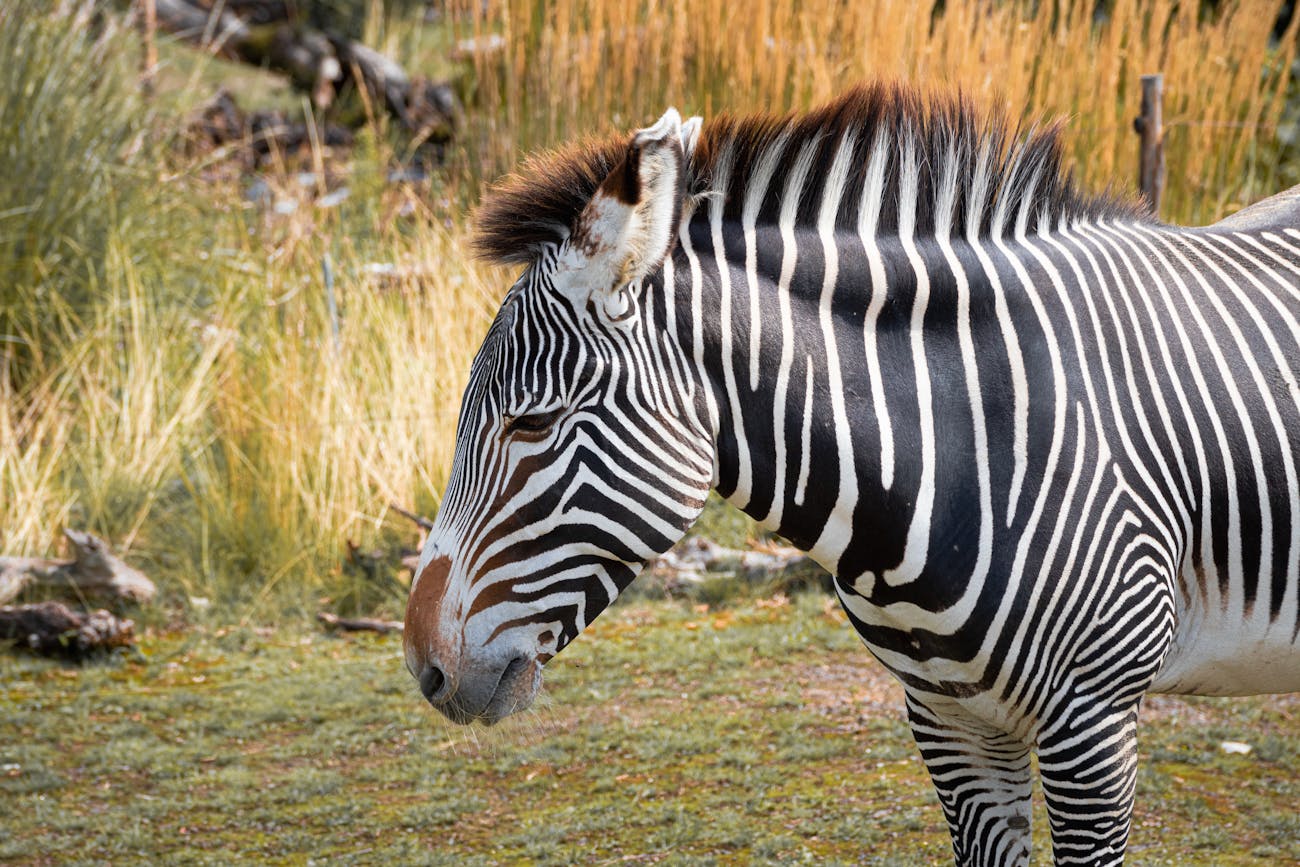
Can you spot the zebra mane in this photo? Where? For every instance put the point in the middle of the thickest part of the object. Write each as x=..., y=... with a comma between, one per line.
x=931, y=165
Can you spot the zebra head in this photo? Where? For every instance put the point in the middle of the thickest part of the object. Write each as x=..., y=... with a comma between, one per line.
x=580, y=450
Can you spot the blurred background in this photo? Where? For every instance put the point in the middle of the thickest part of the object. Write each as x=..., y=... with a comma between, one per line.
x=236, y=307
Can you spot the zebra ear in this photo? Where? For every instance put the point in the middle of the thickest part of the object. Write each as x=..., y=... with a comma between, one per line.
x=630, y=224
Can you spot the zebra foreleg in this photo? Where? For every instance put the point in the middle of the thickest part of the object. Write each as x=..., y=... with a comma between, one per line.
x=1087, y=738
x=1089, y=771
x=983, y=779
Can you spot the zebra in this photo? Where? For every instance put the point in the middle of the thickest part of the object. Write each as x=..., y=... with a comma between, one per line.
x=1046, y=444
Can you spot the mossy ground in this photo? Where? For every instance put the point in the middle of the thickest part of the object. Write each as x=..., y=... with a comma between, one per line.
x=758, y=733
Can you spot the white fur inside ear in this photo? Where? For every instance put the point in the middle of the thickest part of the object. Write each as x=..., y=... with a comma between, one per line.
x=691, y=135
x=617, y=305
x=631, y=222
x=666, y=126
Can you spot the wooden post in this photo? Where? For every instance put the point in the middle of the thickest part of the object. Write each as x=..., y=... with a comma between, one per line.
x=1150, y=126
x=148, y=45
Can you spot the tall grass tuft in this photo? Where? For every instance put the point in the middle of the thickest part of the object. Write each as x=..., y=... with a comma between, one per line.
x=81, y=171
x=316, y=434
x=173, y=376
x=568, y=67
x=236, y=449
x=94, y=404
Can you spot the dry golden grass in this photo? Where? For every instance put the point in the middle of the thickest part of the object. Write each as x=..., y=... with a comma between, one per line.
x=235, y=451
x=571, y=66
x=198, y=409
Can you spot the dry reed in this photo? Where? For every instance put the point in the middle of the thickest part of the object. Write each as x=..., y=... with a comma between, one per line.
x=232, y=443
x=568, y=67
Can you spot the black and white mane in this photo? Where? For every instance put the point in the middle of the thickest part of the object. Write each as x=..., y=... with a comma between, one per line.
x=933, y=165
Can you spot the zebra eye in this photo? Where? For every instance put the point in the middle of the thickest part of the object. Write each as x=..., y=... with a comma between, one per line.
x=532, y=423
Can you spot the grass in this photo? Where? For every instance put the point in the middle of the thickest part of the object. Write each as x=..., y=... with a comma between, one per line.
x=569, y=67
x=179, y=385
x=235, y=456
x=171, y=376
x=762, y=733
x=80, y=184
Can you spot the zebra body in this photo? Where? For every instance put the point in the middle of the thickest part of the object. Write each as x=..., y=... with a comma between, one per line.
x=1042, y=442
x=1063, y=413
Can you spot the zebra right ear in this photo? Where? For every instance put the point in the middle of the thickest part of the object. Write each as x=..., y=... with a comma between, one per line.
x=630, y=224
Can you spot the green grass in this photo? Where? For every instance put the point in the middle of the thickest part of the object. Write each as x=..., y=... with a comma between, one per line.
x=81, y=182
x=759, y=734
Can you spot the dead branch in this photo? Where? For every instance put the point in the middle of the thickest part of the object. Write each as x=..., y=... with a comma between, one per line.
x=53, y=629
x=420, y=521
x=256, y=137
x=358, y=624
x=93, y=573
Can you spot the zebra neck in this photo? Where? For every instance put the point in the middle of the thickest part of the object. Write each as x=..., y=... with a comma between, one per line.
x=797, y=352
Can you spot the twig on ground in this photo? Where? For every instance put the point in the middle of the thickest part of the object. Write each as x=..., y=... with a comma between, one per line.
x=358, y=624
x=422, y=522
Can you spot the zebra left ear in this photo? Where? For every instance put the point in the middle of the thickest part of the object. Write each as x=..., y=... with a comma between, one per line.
x=628, y=227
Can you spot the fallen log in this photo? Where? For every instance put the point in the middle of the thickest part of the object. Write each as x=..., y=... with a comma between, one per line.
x=358, y=624
x=93, y=573
x=54, y=629
x=320, y=63
x=257, y=138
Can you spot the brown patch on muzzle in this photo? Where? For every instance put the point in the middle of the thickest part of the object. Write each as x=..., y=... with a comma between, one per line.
x=422, y=636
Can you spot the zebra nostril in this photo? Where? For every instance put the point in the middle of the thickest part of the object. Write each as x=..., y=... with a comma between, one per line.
x=513, y=668
x=433, y=683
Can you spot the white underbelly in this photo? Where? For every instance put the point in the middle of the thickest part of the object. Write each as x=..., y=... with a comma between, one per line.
x=1219, y=655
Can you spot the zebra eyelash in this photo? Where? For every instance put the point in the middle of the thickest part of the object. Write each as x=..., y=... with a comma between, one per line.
x=532, y=424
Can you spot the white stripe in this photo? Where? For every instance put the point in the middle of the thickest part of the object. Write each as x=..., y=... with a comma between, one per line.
x=1019, y=377
x=838, y=529
x=697, y=334
x=917, y=547
x=873, y=195
x=744, y=468
x=789, y=256
x=805, y=456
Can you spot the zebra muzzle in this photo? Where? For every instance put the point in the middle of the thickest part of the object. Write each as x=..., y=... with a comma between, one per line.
x=486, y=694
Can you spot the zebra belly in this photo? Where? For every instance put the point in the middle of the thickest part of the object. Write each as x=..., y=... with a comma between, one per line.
x=1218, y=653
